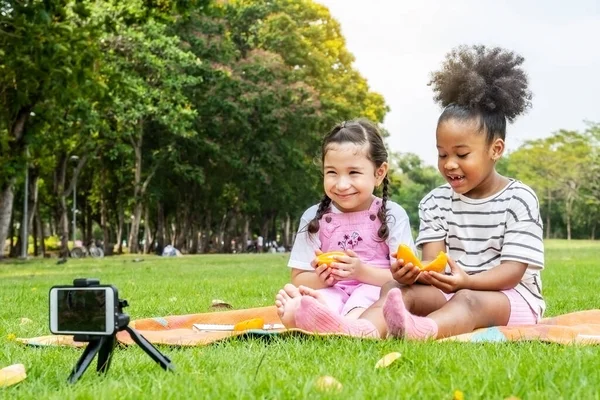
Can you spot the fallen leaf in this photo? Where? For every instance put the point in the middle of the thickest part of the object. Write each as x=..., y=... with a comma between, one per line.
x=25, y=321
x=387, y=360
x=11, y=336
x=458, y=395
x=328, y=383
x=173, y=299
x=12, y=375
x=218, y=304
x=33, y=289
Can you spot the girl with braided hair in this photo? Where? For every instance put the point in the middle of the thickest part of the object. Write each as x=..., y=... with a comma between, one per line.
x=488, y=224
x=349, y=219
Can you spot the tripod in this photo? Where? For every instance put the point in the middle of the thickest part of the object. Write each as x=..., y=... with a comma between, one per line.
x=104, y=346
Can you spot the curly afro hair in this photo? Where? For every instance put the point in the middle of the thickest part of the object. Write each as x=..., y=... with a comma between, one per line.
x=489, y=83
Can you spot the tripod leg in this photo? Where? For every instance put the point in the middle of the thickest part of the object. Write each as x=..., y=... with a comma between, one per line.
x=85, y=360
x=152, y=351
x=105, y=354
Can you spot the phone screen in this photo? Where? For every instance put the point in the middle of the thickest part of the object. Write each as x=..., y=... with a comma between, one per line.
x=82, y=310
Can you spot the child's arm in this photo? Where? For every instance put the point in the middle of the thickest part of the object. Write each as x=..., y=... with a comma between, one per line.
x=505, y=276
x=375, y=276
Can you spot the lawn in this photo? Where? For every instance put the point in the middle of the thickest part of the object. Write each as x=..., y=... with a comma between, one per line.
x=286, y=367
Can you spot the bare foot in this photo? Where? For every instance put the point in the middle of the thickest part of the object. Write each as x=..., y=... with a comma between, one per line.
x=306, y=291
x=287, y=302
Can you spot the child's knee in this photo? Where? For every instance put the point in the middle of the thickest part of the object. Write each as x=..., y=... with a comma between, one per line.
x=467, y=297
x=387, y=287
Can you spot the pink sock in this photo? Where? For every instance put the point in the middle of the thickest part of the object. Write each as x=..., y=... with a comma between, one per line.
x=313, y=316
x=402, y=323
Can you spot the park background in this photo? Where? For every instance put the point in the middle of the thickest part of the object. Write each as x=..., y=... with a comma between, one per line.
x=196, y=123
x=140, y=124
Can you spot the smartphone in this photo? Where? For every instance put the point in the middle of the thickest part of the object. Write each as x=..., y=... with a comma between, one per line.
x=83, y=310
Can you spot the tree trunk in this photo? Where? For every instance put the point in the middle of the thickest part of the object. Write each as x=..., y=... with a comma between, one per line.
x=89, y=223
x=246, y=234
x=195, y=238
x=182, y=230
x=34, y=234
x=286, y=231
x=206, y=233
x=108, y=248
x=6, y=206
x=265, y=231
x=229, y=232
x=32, y=206
x=15, y=146
x=61, y=205
x=548, y=215
x=11, y=232
x=139, y=188
x=147, y=231
x=568, y=210
x=121, y=218
x=221, y=233
x=135, y=228
x=160, y=228
x=40, y=232
x=62, y=191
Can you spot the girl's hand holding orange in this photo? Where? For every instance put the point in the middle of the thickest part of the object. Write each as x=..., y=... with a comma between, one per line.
x=323, y=270
x=458, y=278
x=347, y=267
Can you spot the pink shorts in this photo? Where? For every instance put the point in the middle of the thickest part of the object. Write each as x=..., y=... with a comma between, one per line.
x=520, y=311
x=344, y=297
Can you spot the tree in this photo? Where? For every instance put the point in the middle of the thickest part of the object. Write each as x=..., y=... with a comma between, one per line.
x=541, y=164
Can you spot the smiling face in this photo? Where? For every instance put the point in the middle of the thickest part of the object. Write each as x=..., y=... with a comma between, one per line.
x=349, y=177
x=466, y=160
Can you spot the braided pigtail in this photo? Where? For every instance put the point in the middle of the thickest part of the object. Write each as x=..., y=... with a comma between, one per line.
x=384, y=230
x=313, y=226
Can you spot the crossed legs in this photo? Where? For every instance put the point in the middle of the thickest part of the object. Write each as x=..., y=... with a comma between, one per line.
x=414, y=312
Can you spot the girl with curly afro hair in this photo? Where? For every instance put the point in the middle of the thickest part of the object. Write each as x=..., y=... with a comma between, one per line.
x=489, y=225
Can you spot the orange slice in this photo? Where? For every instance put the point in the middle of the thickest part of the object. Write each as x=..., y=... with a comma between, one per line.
x=405, y=253
x=254, y=323
x=328, y=258
x=438, y=265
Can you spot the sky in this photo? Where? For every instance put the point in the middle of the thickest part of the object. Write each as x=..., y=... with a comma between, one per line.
x=398, y=43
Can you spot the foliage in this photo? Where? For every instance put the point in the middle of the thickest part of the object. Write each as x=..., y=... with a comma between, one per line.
x=198, y=123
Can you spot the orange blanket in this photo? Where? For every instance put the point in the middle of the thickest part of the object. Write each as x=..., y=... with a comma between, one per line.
x=577, y=327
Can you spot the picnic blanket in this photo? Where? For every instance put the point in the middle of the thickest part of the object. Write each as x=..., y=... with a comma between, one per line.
x=582, y=327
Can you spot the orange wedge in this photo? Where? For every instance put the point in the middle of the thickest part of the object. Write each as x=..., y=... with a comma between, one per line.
x=254, y=323
x=438, y=265
x=328, y=258
x=405, y=253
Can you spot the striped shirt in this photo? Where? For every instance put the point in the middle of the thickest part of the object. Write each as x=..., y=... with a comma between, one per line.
x=482, y=233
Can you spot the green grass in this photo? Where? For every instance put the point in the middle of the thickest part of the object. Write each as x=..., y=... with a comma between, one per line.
x=233, y=369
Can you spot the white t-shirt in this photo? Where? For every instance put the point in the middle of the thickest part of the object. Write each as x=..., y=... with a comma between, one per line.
x=303, y=251
x=481, y=233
